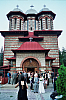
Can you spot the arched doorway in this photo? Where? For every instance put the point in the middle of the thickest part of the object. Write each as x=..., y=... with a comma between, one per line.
x=30, y=64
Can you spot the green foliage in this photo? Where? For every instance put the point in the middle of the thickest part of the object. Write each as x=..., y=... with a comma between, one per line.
x=61, y=82
x=1, y=57
x=62, y=56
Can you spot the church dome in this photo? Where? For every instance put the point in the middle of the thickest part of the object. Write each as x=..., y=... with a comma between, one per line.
x=31, y=11
x=44, y=9
x=17, y=9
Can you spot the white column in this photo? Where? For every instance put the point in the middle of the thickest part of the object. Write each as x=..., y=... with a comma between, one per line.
x=36, y=25
x=29, y=25
x=12, y=24
x=25, y=25
x=9, y=25
x=33, y=25
x=43, y=21
x=49, y=25
x=52, y=24
x=39, y=24
x=21, y=24
x=17, y=24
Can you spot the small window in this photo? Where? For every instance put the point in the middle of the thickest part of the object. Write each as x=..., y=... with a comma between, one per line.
x=15, y=23
x=51, y=23
x=11, y=23
x=46, y=21
x=41, y=24
x=35, y=24
x=31, y=28
x=27, y=24
x=20, y=24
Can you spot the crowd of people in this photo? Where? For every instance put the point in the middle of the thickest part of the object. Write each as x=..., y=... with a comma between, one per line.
x=15, y=77
x=29, y=77
x=38, y=82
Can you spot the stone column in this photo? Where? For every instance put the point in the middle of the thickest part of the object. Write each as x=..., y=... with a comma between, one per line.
x=36, y=25
x=49, y=25
x=29, y=25
x=43, y=21
x=17, y=24
x=25, y=25
x=39, y=24
x=21, y=24
x=52, y=24
x=33, y=25
x=12, y=24
x=9, y=24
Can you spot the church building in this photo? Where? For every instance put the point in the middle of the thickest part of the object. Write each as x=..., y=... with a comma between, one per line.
x=31, y=43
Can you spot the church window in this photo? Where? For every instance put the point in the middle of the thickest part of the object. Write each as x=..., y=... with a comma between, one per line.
x=31, y=24
x=41, y=24
x=51, y=23
x=46, y=21
x=11, y=24
x=35, y=24
x=31, y=28
x=27, y=24
x=15, y=23
x=20, y=24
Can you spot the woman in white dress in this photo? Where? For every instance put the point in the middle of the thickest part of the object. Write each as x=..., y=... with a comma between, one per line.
x=41, y=86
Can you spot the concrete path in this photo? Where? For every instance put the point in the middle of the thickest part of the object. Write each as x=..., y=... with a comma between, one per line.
x=9, y=92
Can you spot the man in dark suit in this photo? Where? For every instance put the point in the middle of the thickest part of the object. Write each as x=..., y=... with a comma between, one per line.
x=55, y=82
x=52, y=76
x=13, y=78
x=19, y=77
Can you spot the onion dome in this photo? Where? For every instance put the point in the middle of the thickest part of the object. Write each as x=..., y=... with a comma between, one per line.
x=44, y=9
x=17, y=9
x=31, y=11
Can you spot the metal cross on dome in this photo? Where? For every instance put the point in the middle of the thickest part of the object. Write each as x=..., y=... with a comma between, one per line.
x=31, y=6
x=44, y=6
x=17, y=6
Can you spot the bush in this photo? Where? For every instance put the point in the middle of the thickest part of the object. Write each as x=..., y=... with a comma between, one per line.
x=61, y=82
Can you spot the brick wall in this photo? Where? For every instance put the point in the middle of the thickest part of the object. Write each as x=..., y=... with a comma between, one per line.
x=11, y=42
x=21, y=56
x=51, y=42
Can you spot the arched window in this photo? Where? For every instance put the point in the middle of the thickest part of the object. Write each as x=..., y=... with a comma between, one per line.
x=27, y=24
x=31, y=24
x=31, y=28
x=51, y=23
x=10, y=25
x=20, y=24
x=15, y=21
x=41, y=24
x=35, y=24
x=46, y=21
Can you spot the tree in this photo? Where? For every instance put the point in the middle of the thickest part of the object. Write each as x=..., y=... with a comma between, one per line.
x=62, y=56
x=61, y=82
x=1, y=57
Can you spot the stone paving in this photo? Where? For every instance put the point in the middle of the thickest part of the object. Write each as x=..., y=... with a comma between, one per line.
x=8, y=92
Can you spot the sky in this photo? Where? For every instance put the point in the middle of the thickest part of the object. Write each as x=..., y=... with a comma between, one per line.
x=56, y=6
